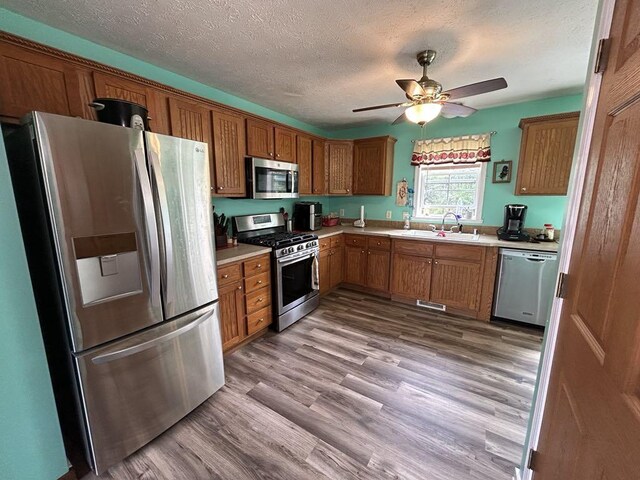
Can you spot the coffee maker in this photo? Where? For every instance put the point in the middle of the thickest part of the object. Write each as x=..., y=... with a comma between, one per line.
x=513, y=227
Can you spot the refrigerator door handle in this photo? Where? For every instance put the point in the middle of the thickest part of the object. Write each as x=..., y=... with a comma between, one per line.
x=125, y=352
x=165, y=222
x=151, y=226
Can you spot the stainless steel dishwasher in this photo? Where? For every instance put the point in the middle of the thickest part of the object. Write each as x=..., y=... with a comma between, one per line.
x=525, y=285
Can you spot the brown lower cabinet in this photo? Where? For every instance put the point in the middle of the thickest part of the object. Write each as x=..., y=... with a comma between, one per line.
x=330, y=262
x=244, y=299
x=367, y=261
x=461, y=277
x=455, y=283
x=411, y=276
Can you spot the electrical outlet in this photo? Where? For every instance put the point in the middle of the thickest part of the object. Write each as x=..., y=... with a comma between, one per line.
x=388, y=215
x=405, y=215
x=342, y=212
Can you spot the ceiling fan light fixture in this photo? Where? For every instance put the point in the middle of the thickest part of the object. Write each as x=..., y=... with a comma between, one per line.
x=423, y=112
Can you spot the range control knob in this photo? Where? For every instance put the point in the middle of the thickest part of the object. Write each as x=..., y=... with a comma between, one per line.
x=300, y=247
x=311, y=244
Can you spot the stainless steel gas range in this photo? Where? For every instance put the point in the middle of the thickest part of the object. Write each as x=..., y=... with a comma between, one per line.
x=295, y=264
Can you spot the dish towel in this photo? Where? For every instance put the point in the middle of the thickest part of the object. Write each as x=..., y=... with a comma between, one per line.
x=315, y=274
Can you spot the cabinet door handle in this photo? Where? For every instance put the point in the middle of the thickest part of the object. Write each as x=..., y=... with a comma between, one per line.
x=239, y=288
x=436, y=263
x=220, y=188
x=261, y=320
x=225, y=276
x=259, y=282
x=259, y=265
x=428, y=262
x=348, y=190
x=369, y=252
x=277, y=155
x=271, y=154
x=260, y=299
x=362, y=251
x=524, y=189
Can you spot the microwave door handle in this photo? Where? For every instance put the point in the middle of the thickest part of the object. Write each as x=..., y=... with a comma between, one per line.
x=166, y=227
x=151, y=226
x=289, y=181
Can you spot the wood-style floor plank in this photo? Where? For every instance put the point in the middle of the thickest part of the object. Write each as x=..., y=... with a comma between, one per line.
x=362, y=388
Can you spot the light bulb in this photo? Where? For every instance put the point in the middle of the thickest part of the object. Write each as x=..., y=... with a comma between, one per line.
x=423, y=112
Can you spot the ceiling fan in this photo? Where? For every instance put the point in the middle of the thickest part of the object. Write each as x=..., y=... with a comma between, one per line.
x=427, y=100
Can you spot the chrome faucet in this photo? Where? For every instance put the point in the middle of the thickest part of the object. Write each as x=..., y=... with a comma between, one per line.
x=444, y=217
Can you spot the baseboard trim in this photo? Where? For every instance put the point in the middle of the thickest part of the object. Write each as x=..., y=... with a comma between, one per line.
x=70, y=475
x=517, y=475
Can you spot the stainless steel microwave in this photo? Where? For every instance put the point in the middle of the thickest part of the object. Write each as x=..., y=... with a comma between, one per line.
x=271, y=178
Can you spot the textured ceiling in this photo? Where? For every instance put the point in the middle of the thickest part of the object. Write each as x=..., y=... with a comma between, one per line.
x=317, y=60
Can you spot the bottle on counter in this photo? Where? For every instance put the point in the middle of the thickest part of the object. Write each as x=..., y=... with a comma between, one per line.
x=549, y=231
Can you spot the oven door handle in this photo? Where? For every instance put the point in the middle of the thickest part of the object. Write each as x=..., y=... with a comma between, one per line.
x=283, y=262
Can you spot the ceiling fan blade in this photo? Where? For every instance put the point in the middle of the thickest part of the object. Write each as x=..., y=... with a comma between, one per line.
x=400, y=119
x=377, y=107
x=411, y=88
x=477, y=88
x=450, y=110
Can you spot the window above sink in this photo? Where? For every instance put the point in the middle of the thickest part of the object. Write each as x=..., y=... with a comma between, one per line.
x=450, y=188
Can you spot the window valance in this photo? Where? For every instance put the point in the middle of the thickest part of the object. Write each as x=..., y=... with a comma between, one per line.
x=464, y=149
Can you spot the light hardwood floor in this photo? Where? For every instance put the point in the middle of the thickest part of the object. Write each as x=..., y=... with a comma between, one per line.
x=362, y=388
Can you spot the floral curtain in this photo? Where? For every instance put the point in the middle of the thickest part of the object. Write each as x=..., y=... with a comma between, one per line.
x=465, y=149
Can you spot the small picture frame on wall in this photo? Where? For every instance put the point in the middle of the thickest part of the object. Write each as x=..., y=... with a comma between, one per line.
x=502, y=171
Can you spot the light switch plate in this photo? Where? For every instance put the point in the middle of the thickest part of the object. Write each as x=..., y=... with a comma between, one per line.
x=342, y=212
x=388, y=215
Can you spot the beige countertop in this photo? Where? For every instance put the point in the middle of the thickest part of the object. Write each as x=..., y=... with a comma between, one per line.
x=240, y=252
x=484, y=240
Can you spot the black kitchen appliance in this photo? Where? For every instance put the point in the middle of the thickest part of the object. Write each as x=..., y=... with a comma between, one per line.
x=307, y=216
x=513, y=227
x=121, y=112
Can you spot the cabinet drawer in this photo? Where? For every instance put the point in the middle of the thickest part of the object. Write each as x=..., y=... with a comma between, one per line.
x=355, y=241
x=259, y=320
x=459, y=252
x=337, y=241
x=413, y=247
x=324, y=243
x=229, y=273
x=255, y=282
x=258, y=300
x=257, y=265
x=379, y=243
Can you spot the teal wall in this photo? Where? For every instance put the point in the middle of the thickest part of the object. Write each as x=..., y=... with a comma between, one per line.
x=30, y=439
x=504, y=145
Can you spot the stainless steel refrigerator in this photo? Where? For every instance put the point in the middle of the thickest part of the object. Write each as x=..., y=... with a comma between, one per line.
x=118, y=232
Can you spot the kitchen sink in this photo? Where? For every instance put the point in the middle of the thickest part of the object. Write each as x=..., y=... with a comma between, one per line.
x=428, y=234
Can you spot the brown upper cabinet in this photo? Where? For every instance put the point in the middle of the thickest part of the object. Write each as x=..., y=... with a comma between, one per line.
x=32, y=81
x=111, y=86
x=228, y=153
x=373, y=165
x=190, y=120
x=266, y=140
x=339, y=158
x=319, y=174
x=546, y=154
x=305, y=164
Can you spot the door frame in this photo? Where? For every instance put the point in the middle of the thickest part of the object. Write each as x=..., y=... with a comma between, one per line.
x=585, y=131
